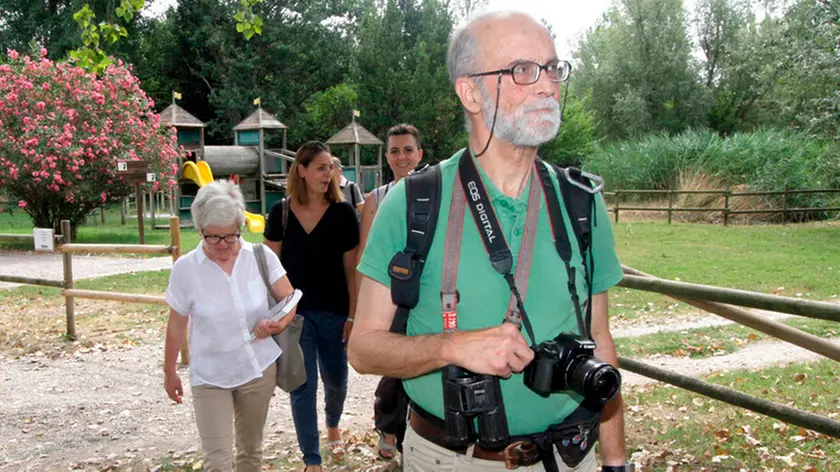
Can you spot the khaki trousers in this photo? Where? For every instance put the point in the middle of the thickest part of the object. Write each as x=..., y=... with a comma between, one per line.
x=421, y=455
x=246, y=406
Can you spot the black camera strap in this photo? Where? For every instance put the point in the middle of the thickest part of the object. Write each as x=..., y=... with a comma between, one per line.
x=564, y=247
x=471, y=191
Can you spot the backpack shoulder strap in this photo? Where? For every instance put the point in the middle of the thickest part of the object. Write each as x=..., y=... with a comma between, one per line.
x=579, y=204
x=353, y=193
x=422, y=193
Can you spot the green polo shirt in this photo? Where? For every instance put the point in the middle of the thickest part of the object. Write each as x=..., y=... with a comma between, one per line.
x=484, y=295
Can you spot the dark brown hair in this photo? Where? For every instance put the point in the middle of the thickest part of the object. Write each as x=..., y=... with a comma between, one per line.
x=403, y=129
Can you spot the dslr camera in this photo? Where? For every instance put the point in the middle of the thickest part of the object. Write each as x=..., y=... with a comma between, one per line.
x=468, y=396
x=567, y=363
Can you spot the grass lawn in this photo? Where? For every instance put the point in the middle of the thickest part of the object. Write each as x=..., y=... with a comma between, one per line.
x=113, y=232
x=794, y=260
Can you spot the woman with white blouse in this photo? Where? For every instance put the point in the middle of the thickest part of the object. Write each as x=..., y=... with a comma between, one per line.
x=216, y=289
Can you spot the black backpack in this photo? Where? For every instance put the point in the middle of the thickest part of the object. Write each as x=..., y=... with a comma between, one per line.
x=422, y=193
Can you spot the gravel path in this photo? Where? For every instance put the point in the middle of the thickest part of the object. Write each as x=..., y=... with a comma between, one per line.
x=48, y=265
x=104, y=408
x=100, y=406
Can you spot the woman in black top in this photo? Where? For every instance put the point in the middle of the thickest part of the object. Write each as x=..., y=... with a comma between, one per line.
x=318, y=250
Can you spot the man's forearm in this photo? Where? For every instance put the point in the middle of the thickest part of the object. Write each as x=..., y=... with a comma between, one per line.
x=611, y=436
x=394, y=355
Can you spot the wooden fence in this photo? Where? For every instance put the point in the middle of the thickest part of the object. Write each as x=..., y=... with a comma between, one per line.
x=720, y=301
x=726, y=195
x=67, y=248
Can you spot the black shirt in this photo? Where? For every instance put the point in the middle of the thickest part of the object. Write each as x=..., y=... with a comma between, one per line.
x=314, y=262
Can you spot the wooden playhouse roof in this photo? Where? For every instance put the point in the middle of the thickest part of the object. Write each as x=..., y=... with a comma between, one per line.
x=174, y=115
x=260, y=119
x=354, y=133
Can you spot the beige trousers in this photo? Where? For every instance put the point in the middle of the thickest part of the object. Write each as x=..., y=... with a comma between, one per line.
x=246, y=406
x=421, y=455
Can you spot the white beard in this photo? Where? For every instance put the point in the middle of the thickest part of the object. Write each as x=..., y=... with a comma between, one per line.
x=513, y=128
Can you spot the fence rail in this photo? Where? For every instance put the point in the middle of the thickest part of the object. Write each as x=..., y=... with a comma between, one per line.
x=67, y=248
x=680, y=291
x=725, y=211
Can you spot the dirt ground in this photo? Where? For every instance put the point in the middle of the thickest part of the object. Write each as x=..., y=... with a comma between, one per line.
x=105, y=406
x=99, y=404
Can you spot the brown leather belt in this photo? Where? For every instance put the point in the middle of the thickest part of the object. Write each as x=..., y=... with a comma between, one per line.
x=517, y=454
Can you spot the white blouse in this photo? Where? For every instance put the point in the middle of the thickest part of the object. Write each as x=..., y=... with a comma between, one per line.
x=224, y=310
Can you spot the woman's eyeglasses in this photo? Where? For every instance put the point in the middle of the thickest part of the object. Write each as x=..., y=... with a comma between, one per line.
x=216, y=239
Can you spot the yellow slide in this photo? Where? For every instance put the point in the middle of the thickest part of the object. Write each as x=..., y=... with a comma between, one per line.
x=200, y=173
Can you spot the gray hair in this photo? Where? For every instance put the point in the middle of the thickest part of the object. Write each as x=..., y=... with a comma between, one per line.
x=337, y=163
x=218, y=203
x=462, y=57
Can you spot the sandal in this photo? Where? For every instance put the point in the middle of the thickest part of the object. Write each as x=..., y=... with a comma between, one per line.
x=336, y=447
x=386, y=451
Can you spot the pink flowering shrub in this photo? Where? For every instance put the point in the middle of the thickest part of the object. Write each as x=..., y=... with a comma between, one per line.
x=62, y=132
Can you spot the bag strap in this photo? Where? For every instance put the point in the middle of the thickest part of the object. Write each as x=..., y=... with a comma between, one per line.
x=579, y=204
x=422, y=193
x=262, y=265
x=579, y=197
x=352, y=193
x=285, y=221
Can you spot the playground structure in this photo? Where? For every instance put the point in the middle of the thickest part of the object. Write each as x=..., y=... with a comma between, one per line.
x=201, y=174
x=370, y=176
x=260, y=172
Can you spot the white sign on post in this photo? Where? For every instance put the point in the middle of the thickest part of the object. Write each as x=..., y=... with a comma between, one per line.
x=44, y=239
x=122, y=166
x=150, y=177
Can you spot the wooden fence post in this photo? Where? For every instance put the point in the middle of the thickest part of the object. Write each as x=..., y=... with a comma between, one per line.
x=67, y=262
x=102, y=214
x=726, y=207
x=617, y=203
x=123, y=204
x=784, y=205
x=670, y=204
x=138, y=192
x=153, y=206
x=175, y=233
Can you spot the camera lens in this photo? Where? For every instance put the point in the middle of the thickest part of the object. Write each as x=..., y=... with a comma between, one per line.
x=595, y=380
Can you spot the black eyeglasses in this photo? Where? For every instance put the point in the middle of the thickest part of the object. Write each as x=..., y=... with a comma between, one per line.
x=215, y=239
x=527, y=73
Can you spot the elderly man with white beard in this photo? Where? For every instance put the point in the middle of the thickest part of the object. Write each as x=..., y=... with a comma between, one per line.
x=485, y=394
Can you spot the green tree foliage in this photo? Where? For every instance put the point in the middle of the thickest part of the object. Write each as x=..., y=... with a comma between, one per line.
x=637, y=67
x=401, y=76
x=574, y=142
x=806, y=95
x=327, y=111
x=740, y=65
x=302, y=50
x=50, y=24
